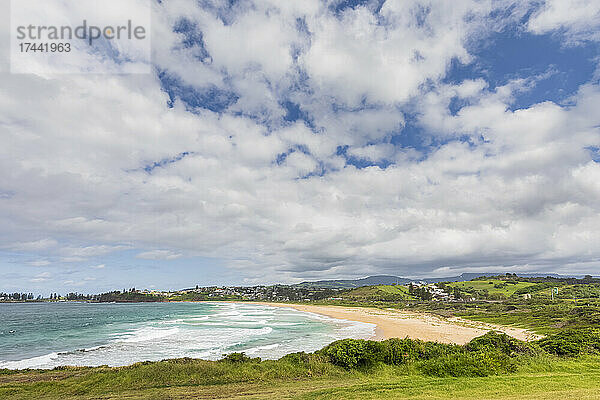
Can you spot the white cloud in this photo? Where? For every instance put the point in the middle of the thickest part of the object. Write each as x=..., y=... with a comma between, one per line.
x=37, y=245
x=522, y=192
x=39, y=263
x=579, y=19
x=159, y=255
x=78, y=283
x=355, y=56
x=79, y=253
x=43, y=277
x=374, y=152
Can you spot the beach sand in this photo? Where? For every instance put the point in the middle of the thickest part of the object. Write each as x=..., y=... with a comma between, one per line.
x=393, y=323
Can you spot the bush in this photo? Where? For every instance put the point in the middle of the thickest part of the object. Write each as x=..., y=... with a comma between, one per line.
x=297, y=358
x=495, y=341
x=239, y=358
x=401, y=351
x=4, y=371
x=572, y=342
x=469, y=364
x=353, y=353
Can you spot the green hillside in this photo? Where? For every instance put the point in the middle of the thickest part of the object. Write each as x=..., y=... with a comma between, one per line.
x=566, y=291
x=500, y=289
x=492, y=288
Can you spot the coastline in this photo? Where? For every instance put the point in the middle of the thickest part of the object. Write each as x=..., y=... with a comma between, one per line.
x=392, y=323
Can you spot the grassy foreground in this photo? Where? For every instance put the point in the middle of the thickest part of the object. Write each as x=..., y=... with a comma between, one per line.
x=564, y=379
x=493, y=366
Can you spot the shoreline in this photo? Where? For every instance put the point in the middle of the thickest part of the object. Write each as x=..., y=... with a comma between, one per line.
x=389, y=322
x=392, y=323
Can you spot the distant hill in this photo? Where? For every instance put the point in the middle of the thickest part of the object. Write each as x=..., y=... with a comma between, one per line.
x=397, y=280
x=354, y=283
x=384, y=280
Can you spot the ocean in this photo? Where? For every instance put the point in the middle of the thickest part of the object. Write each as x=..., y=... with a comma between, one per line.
x=47, y=335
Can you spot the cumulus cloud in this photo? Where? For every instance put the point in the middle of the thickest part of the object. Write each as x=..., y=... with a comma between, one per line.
x=580, y=19
x=266, y=181
x=373, y=152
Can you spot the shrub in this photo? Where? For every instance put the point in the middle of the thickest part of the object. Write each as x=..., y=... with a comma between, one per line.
x=4, y=371
x=239, y=358
x=400, y=351
x=572, y=342
x=435, y=349
x=297, y=358
x=353, y=353
x=495, y=341
x=469, y=364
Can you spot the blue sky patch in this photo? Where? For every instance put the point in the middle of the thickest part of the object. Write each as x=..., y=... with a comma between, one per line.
x=192, y=38
x=210, y=98
x=166, y=161
x=558, y=71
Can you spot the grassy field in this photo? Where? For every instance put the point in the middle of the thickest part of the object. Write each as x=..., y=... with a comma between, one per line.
x=540, y=379
x=507, y=288
x=491, y=287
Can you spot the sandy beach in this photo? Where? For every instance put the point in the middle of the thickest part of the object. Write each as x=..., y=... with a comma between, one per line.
x=398, y=323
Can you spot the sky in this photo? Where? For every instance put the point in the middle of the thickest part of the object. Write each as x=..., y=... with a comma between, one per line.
x=282, y=141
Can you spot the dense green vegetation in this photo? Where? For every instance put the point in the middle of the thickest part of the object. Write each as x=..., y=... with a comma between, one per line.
x=506, y=287
x=542, y=316
x=344, y=369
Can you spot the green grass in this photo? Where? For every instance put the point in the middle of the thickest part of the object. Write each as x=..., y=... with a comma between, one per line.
x=491, y=287
x=542, y=316
x=185, y=379
x=568, y=291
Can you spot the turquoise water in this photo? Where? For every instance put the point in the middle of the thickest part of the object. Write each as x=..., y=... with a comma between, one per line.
x=46, y=335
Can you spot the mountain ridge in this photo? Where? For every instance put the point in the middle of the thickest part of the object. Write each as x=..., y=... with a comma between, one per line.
x=397, y=280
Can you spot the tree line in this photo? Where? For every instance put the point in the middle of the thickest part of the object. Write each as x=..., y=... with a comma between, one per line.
x=17, y=296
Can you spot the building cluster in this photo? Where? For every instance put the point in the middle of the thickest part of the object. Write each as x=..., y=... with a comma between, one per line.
x=430, y=291
x=257, y=293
